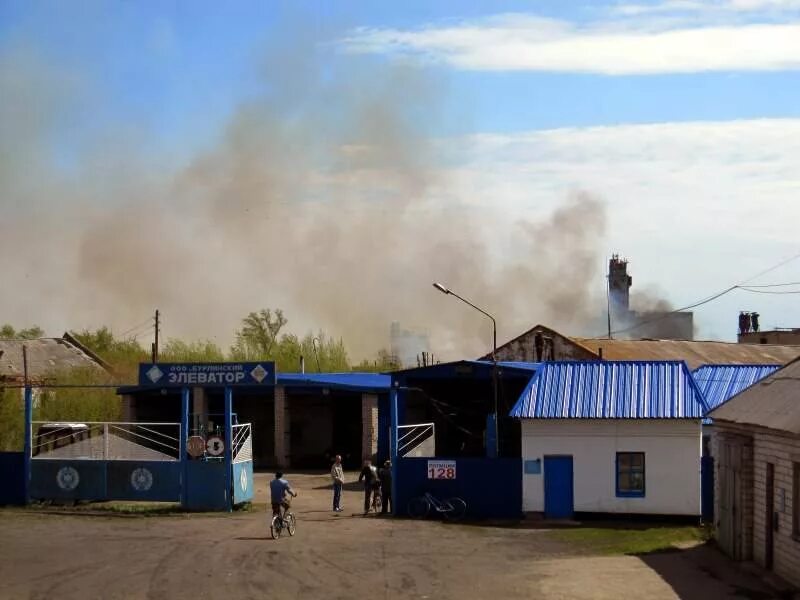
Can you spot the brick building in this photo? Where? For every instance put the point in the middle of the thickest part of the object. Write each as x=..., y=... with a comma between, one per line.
x=756, y=444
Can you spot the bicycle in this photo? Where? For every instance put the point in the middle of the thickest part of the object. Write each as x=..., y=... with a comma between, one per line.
x=377, y=500
x=281, y=521
x=452, y=509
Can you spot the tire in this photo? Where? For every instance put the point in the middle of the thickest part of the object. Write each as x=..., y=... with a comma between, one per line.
x=458, y=511
x=291, y=523
x=275, y=527
x=419, y=508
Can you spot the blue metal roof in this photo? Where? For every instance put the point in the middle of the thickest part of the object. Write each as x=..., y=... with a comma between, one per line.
x=611, y=390
x=722, y=382
x=359, y=382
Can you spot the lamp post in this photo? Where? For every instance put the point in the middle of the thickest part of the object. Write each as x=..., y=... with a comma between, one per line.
x=448, y=292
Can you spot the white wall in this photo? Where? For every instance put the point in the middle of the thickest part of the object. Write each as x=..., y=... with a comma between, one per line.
x=672, y=463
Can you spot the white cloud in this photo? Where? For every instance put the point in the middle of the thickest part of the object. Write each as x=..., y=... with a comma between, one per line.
x=624, y=47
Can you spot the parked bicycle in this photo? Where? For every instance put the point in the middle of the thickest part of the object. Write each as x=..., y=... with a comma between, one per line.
x=281, y=522
x=452, y=509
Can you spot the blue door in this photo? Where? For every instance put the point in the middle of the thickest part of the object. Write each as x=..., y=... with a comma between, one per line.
x=558, y=496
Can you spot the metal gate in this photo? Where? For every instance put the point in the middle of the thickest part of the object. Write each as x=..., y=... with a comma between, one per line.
x=105, y=461
x=243, y=482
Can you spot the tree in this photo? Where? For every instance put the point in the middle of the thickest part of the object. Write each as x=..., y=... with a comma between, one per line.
x=7, y=332
x=200, y=351
x=258, y=335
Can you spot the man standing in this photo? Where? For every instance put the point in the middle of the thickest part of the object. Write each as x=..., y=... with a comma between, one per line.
x=369, y=475
x=337, y=474
x=386, y=486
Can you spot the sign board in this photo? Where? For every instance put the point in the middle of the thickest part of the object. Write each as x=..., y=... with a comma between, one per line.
x=441, y=469
x=206, y=374
x=195, y=446
x=215, y=446
x=533, y=467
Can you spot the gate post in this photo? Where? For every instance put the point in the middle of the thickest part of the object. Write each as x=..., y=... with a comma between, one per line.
x=393, y=446
x=28, y=442
x=183, y=456
x=229, y=447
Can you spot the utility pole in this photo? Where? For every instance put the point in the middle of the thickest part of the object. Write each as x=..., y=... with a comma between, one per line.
x=155, y=344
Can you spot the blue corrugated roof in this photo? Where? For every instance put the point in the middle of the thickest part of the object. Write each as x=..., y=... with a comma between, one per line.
x=367, y=382
x=722, y=382
x=611, y=390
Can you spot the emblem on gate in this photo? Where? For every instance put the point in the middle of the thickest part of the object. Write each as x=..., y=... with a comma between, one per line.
x=243, y=480
x=67, y=478
x=141, y=479
x=154, y=373
x=259, y=373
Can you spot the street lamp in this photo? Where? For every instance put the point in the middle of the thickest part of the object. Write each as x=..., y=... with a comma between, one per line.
x=448, y=292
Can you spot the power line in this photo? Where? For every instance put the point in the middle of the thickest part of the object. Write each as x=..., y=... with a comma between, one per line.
x=754, y=291
x=710, y=298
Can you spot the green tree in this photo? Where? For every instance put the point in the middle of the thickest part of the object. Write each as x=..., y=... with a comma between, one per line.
x=7, y=332
x=258, y=335
x=200, y=351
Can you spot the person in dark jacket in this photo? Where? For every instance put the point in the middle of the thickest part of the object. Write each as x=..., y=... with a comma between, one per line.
x=369, y=475
x=385, y=475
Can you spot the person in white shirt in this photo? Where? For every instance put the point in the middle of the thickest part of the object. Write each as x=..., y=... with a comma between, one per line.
x=337, y=474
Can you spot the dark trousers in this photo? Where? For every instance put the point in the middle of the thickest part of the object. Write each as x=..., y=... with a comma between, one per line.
x=337, y=495
x=386, y=498
x=368, y=491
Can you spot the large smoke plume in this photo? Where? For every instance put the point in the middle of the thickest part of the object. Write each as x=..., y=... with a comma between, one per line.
x=323, y=195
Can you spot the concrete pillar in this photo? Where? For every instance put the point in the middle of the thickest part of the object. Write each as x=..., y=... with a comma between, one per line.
x=369, y=426
x=282, y=440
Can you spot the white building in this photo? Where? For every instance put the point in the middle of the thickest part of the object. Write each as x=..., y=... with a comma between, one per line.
x=611, y=437
x=756, y=446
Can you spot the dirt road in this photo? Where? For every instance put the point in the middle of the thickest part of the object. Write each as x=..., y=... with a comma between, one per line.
x=332, y=556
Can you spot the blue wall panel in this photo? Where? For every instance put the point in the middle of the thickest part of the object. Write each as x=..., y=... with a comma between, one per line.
x=68, y=479
x=144, y=480
x=205, y=483
x=243, y=482
x=491, y=487
x=12, y=474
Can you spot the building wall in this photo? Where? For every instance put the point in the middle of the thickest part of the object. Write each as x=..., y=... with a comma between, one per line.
x=672, y=463
x=781, y=451
x=523, y=348
x=369, y=427
x=790, y=337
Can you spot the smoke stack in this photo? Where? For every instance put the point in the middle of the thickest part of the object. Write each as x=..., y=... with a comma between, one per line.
x=302, y=364
x=619, y=285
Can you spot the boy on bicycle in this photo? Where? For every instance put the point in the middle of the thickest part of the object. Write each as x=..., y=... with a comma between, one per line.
x=280, y=490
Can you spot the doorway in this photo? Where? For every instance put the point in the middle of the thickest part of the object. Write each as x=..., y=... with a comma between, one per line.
x=558, y=487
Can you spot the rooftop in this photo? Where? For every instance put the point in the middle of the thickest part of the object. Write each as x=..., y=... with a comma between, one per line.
x=773, y=402
x=45, y=355
x=695, y=354
x=722, y=382
x=611, y=390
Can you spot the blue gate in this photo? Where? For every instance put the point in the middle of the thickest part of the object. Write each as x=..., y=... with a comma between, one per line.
x=243, y=483
x=558, y=487
x=105, y=461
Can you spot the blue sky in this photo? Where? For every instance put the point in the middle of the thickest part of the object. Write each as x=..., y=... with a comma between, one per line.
x=681, y=115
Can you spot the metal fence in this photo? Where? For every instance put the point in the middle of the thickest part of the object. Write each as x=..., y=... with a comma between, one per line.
x=105, y=441
x=242, y=448
x=417, y=441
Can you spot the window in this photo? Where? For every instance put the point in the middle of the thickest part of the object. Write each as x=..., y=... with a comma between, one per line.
x=796, y=501
x=630, y=474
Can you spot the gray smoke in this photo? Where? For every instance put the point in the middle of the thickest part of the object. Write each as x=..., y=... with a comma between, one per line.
x=319, y=196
